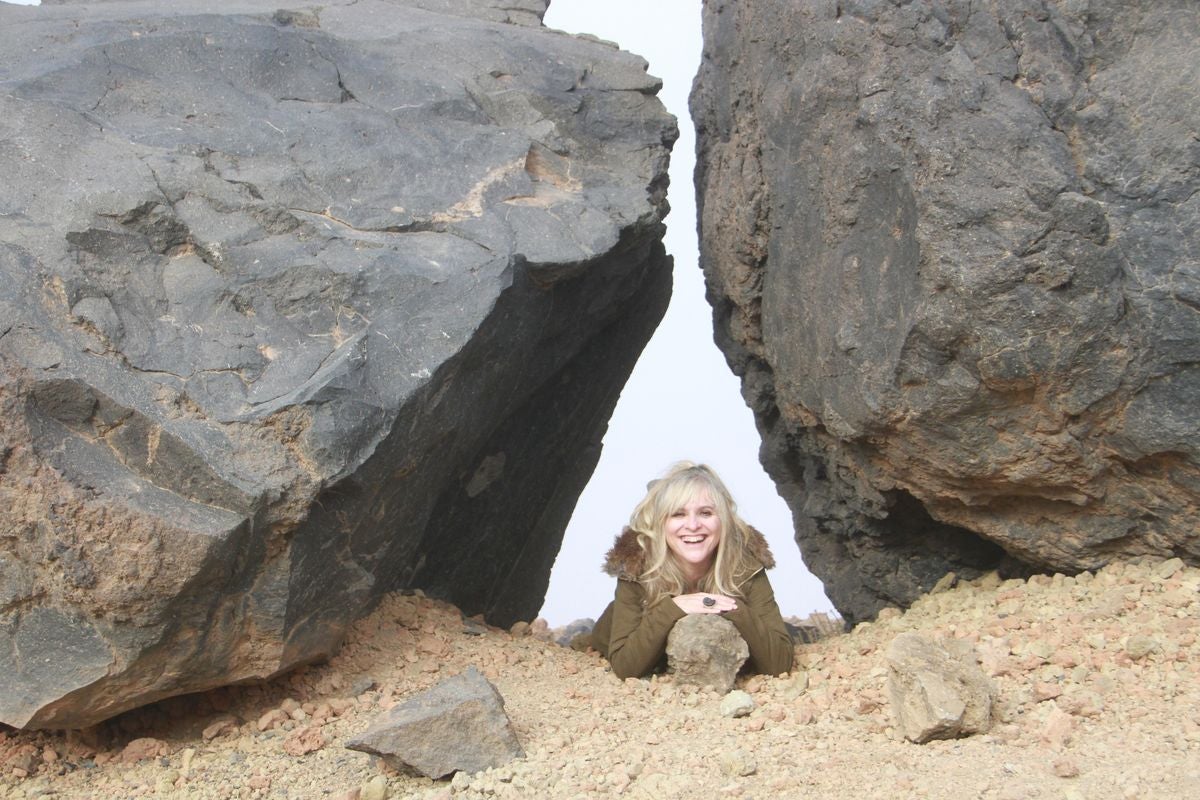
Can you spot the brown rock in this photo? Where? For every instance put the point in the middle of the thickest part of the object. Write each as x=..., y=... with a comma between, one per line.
x=219, y=727
x=272, y=718
x=303, y=741
x=937, y=691
x=706, y=650
x=1058, y=728
x=141, y=749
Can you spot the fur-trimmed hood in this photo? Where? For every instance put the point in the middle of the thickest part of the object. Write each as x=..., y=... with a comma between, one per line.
x=626, y=559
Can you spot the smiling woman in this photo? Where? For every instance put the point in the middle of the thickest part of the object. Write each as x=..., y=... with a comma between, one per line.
x=686, y=551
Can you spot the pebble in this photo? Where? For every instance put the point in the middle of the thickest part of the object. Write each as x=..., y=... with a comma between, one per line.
x=738, y=763
x=1139, y=645
x=374, y=789
x=737, y=704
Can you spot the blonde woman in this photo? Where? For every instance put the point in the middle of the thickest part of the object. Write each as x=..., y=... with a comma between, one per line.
x=686, y=551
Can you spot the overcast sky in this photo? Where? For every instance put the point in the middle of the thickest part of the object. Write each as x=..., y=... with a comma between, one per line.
x=681, y=402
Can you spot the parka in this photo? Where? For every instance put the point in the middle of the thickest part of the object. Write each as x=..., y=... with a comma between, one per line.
x=633, y=637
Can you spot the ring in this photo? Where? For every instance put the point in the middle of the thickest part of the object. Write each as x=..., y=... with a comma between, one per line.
x=709, y=601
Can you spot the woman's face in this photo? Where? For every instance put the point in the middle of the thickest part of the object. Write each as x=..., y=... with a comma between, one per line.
x=693, y=533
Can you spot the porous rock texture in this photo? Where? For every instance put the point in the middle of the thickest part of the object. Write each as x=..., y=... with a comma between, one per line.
x=706, y=650
x=937, y=689
x=952, y=252
x=300, y=305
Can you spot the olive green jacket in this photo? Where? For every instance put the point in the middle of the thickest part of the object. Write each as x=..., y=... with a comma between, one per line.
x=634, y=638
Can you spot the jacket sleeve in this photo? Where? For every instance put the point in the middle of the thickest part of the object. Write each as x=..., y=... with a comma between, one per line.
x=758, y=620
x=638, y=636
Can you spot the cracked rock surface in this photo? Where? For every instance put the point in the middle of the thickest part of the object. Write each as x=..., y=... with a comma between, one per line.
x=952, y=253
x=300, y=305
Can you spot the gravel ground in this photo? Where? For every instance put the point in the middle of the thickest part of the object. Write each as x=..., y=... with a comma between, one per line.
x=1097, y=679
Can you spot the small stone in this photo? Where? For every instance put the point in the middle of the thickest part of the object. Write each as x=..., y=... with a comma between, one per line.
x=1058, y=728
x=738, y=763
x=1139, y=645
x=1082, y=703
x=1046, y=691
x=1066, y=768
x=945, y=583
x=374, y=789
x=1169, y=567
x=737, y=704
x=303, y=741
x=185, y=768
x=218, y=727
x=519, y=629
x=272, y=718
x=142, y=749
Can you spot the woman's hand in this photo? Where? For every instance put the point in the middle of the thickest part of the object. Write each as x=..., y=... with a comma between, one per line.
x=695, y=603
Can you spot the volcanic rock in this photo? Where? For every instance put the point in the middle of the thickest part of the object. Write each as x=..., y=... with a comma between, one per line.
x=457, y=726
x=951, y=250
x=937, y=690
x=300, y=304
x=706, y=650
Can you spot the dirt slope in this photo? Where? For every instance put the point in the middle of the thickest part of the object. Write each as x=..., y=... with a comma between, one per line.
x=1098, y=679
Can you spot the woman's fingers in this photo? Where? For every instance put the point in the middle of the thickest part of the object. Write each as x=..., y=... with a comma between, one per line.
x=705, y=603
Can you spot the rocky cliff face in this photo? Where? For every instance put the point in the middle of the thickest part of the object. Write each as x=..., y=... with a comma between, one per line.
x=299, y=305
x=952, y=252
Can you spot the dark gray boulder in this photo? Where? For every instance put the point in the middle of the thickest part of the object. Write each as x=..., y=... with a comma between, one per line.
x=300, y=305
x=952, y=252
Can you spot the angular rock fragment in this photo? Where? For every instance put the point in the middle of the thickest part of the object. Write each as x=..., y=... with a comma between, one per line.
x=951, y=251
x=706, y=650
x=457, y=726
x=737, y=704
x=937, y=690
x=298, y=306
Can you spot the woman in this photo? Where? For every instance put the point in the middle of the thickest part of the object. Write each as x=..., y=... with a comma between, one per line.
x=686, y=551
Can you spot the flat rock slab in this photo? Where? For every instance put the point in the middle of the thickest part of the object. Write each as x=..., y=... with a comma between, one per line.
x=937, y=689
x=706, y=650
x=298, y=305
x=952, y=252
x=457, y=726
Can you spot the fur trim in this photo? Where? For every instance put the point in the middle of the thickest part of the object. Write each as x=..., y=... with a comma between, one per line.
x=627, y=560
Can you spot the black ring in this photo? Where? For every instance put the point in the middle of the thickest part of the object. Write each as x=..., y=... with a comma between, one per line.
x=709, y=601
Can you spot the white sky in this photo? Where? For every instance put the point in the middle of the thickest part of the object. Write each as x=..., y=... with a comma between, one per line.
x=681, y=402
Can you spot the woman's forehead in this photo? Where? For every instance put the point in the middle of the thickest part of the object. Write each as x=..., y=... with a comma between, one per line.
x=696, y=495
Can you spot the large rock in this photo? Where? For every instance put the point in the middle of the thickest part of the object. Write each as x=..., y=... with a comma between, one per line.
x=706, y=650
x=457, y=726
x=937, y=689
x=952, y=253
x=300, y=305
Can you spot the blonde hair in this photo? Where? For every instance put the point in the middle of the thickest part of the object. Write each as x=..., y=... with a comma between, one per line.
x=662, y=576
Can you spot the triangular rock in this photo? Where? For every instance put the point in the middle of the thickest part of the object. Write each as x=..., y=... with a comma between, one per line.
x=457, y=726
